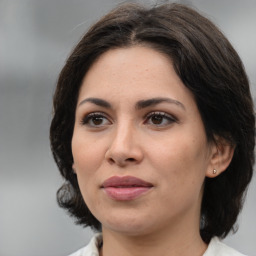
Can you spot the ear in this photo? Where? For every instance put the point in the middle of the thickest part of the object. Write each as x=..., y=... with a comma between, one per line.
x=221, y=156
x=73, y=167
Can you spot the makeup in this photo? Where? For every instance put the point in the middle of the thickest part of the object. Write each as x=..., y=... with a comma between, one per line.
x=125, y=188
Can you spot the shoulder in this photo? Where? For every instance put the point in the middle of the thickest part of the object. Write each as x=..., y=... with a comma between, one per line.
x=216, y=247
x=91, y=249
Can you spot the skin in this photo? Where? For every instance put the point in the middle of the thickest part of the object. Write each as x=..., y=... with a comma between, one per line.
x=171, y=152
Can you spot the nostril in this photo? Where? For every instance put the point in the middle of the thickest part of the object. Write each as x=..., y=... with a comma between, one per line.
x=111, y=160
x=130, y=159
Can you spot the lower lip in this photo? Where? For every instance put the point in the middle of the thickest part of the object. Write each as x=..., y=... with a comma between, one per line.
x=125, y=194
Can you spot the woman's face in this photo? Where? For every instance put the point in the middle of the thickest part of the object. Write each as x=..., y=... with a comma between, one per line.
x=139, y=145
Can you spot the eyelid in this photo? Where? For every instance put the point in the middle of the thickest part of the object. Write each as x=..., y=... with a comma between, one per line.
x=161, y=113
x=170, y=117
x=85, y=118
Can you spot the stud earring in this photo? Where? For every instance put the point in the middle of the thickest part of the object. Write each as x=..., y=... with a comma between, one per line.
x=214, y=171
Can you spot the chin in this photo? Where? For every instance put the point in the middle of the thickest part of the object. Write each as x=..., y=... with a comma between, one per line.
x=128, y=225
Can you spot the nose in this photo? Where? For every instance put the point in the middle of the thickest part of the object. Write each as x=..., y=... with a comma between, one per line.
x=124, y=148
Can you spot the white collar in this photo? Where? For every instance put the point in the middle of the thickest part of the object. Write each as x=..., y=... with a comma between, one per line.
x=215, y=248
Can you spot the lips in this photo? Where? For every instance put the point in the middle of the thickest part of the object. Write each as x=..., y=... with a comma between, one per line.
x=125, y=188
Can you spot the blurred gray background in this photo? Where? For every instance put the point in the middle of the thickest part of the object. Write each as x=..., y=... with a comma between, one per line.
x=36, y=37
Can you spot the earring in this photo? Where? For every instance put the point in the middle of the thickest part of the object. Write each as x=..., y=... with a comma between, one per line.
x=214, y=171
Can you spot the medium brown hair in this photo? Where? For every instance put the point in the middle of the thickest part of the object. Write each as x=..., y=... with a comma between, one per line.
x=206, y=63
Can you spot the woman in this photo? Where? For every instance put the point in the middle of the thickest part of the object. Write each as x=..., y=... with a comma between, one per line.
x=153, y=130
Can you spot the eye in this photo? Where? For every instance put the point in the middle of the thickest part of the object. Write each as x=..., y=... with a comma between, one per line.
x=159, y=119
x=95, y=120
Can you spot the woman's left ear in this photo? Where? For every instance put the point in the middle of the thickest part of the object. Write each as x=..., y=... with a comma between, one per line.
x=221, y=156
x=73, y=167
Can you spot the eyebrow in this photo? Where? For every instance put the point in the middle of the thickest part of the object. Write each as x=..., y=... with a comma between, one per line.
x=139, y=105
x=154, y=101
x=96, y=101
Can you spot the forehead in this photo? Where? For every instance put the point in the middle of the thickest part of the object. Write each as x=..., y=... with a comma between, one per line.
x=131, y=61
x=133, y=73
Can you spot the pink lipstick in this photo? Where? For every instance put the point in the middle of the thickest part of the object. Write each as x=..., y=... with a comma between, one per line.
x=125, y=188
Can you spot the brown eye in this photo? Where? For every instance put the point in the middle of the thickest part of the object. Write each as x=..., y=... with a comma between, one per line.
x=159, y=119
x=95, y=120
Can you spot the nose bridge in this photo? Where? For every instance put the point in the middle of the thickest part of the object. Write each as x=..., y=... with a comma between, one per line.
x=124, y=135
x=124, y=147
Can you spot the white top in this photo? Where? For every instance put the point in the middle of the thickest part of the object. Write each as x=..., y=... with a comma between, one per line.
x=215, y=248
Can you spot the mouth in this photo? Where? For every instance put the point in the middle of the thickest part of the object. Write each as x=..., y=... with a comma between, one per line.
x=125, y=188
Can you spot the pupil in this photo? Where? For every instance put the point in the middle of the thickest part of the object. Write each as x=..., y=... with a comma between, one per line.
x=157, y=119
x=97, y=120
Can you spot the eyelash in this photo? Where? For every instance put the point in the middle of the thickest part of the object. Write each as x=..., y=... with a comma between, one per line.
x=89, y=117
x=170, y=119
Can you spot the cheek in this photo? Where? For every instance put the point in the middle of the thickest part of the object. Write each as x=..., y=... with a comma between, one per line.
x=181, y=160
x=182, y=176
x=86, y=162
x=87, y=155
x=86, y=151
x=177, y=150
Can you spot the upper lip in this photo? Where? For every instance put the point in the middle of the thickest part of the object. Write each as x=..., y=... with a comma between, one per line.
x=125, y=181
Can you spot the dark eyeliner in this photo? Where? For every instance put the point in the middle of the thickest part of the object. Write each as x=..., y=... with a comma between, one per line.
x=169, y=117
x=85, y=120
